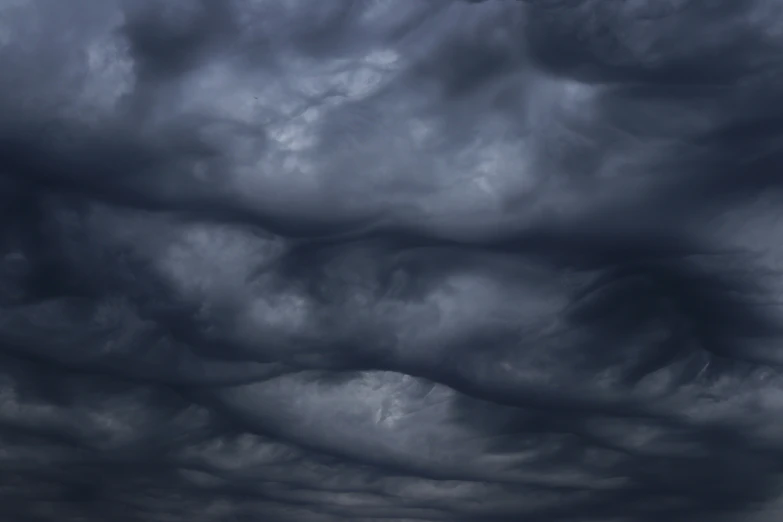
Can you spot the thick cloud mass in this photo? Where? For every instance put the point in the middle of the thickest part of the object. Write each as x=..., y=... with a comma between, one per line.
x=391, y=260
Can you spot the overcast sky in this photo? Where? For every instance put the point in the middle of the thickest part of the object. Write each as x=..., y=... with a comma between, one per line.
x=391, y=261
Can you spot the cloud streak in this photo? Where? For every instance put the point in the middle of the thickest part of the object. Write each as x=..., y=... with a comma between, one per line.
x=390, y=261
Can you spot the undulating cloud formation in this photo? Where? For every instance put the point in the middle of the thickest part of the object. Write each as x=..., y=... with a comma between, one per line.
x=391, y=260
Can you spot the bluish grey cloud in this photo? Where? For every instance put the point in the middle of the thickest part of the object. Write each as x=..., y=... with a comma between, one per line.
x=390, y=261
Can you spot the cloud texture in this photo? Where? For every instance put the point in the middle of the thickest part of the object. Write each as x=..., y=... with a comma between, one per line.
x=391, y=260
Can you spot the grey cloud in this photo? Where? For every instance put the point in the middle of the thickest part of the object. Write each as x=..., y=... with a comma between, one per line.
x=382, y=260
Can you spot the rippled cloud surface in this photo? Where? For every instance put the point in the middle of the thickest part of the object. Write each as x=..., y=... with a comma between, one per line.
x=391, y=260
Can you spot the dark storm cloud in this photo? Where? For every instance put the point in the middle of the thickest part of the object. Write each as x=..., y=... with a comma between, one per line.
x=390, y=260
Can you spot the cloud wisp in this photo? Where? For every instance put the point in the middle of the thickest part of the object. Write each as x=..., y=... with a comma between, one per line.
x=391, y=261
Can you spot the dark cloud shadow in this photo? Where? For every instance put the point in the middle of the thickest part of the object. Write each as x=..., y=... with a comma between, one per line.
x=390, y=261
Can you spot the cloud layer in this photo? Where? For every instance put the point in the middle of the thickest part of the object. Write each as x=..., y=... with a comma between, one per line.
x=388, y=260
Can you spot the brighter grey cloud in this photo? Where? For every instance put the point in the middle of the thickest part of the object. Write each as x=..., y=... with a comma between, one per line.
x=390, y=261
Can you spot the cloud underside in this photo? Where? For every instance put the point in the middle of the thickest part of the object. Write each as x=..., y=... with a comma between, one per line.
x=390, y=261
